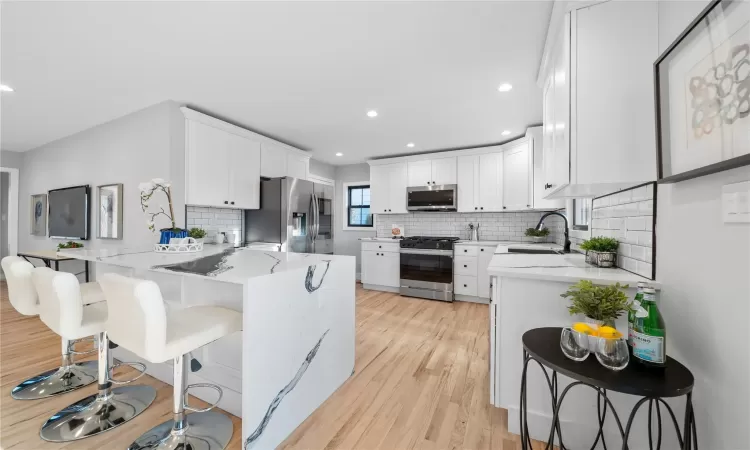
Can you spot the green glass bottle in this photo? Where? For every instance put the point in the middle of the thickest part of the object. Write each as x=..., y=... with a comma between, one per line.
x=650, y=333
x=631, y=314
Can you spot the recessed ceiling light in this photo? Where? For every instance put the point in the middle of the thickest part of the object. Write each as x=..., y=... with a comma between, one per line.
x=505, y=87
x=4, y=88
x=410, y=145
x=372, y=113
x=339, y=154
x=505, y=133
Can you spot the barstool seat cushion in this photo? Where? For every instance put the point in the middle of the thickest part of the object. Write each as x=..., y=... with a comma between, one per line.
x=92, y=320
x=194, y=327
x=91, y=293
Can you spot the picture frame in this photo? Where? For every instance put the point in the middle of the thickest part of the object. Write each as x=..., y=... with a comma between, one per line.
x=702, y=83
x=38, y=215
x=109, y=211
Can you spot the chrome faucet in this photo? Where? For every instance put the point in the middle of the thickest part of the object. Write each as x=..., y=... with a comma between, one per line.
x=540, y=225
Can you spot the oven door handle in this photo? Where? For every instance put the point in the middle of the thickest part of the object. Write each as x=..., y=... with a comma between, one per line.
x=416, y=251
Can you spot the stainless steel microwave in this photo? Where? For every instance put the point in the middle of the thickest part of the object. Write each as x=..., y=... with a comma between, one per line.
x=432, y=198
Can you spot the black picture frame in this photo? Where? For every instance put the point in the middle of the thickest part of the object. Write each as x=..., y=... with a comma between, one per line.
x=719, y=166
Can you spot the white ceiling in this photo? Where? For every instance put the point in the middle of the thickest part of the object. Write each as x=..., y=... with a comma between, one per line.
x=304, y=72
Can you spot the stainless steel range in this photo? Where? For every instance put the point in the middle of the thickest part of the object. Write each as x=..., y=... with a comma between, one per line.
x=427, y=267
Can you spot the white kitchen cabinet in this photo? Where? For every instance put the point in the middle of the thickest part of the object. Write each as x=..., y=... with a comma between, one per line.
x=483, y=278
x=244, y=172
x=223, y=168
x=380, y=268
x=297, y=166
x=272, y=160
x=517, y=188
x=594, y=99
x=491, y=182
x=432, y=172
x=471, y=280
x=467, y=178
x=536, y=137
x=388, y=188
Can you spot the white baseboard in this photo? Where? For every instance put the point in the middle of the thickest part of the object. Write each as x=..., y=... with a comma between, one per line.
x=377, y=287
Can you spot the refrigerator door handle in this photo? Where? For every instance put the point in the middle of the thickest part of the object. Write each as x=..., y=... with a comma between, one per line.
x=317, y=215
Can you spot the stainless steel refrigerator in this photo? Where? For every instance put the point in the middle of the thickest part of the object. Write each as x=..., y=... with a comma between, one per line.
x=298, y=214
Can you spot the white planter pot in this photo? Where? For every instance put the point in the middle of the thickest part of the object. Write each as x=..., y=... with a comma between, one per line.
x=538, y=239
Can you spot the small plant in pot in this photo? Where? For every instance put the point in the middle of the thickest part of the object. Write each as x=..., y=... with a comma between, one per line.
x=197, y=233
x=599, y=305
x=537, y=236
x=601, y=251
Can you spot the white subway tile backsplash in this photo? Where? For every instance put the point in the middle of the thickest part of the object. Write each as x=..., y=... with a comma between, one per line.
x=628, y=217
x=215, y=220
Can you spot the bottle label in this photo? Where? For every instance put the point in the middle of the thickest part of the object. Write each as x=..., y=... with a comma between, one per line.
x=648, y=348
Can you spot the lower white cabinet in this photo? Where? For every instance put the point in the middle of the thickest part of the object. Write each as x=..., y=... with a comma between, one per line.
x=381, y=264
x=470, y=278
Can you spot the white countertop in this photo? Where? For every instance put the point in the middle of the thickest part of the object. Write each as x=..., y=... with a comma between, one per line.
x=218, y=262
x=379, y=239
x=571, y=267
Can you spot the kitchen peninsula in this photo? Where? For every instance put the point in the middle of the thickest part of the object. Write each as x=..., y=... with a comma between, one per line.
x=297, y=343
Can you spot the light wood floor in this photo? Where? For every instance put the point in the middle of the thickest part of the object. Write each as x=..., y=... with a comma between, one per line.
x=420, y=382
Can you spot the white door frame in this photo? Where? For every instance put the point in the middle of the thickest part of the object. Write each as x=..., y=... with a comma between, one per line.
x=12, y=210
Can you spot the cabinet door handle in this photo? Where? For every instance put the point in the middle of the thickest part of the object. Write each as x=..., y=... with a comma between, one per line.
x=481, y=249
x=528, y=206
x=465, y=251
x=475, y=208
x=465, y=285
x=226, y=202
x=389, y=210
x=505, y=207
x=482, y=208
x=465, y=265
x=385, y=210
x=380, y=246
x=232, y=203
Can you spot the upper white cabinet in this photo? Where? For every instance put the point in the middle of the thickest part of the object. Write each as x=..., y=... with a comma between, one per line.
x=222, y=168
x=277, y=160
x=491, y=182
x=536, y=137
x=467, y=176
x=432, y=171
x=598, y=132
x=388, y=188
x=517, y=166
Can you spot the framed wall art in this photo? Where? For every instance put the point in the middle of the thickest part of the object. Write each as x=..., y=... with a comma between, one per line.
x=702, y=90
x=109, y=214
x=38, y=208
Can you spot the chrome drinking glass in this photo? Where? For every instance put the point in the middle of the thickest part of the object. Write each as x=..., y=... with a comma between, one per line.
x=612, y=353
x=574, y=344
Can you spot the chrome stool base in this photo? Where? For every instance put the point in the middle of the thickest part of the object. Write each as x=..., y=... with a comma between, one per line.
x=204, y=431
x=97, y=413
x=56, y=381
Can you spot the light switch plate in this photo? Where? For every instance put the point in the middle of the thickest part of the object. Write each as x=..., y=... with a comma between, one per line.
x=735, y=202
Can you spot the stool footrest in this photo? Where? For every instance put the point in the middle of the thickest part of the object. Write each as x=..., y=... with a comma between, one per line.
x=78, y=341
x=204, y=385
x=140, y=367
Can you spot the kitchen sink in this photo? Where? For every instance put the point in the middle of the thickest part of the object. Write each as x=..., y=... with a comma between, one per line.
x=535, y=251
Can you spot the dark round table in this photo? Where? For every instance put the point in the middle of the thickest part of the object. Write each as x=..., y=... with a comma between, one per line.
x=543, y=346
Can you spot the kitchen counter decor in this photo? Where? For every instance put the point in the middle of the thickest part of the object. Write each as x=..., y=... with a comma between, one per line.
x=601, y=251
x=180, y=245
x=537, y=236
x=148, y=189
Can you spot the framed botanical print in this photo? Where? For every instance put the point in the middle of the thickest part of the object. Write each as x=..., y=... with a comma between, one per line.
x=38, y=215
x=703, y=95
x=109, y=217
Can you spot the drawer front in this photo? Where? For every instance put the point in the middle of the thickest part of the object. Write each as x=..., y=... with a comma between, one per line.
x=389, y=247
x=465, y=250
x=487, y=250
x=465, y=285
x=465, y=265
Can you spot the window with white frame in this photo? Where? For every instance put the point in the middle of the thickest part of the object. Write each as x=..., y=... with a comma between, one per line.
x=357, y=212
x=581, y=213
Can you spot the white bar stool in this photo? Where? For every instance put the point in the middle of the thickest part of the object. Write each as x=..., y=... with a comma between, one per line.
x=140, y=323
x=62, y=309
x=69, y=376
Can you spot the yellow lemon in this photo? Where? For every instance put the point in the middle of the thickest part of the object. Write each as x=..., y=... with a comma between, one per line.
x=583, y=328
x=609, y=332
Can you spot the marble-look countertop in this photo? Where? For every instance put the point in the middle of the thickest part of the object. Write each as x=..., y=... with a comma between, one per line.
x=570, y=267
x=222, y=262
x=379, y=239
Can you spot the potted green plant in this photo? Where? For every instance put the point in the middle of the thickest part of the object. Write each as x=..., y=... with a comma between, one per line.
x=601, y=251
x=197, y=233
x=69, y=244
x=537, y=236
x=599, y=305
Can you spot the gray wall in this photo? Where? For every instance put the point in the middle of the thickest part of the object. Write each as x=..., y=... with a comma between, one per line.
x=11, y=159
x=129, y=150
x=4, y=198
x=322, y=169
x=346, y=242
x=703, y=265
